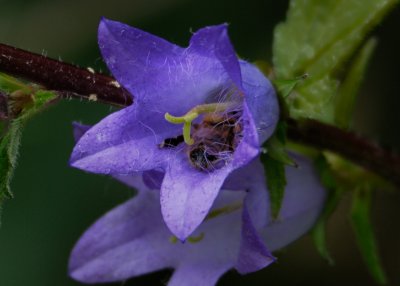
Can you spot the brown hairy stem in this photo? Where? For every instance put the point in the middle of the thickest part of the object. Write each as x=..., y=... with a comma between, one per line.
x=67, y=79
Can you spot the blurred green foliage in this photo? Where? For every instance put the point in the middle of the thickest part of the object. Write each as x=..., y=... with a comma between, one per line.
x=317, y=39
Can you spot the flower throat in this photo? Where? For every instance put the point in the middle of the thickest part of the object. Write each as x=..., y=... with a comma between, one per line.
x=210, y=143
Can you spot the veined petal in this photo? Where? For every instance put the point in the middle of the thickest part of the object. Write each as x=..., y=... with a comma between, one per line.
x=120, y=144
x=153, y=179
x=214, y=42
x=252, y=179
x=302, y=204
x=162, y=76
x=261, y=100
x=79, y=129
x=187, y=194
x=205, y=274
x=253, y=254
x=132, y=239
x=133, y=55
x=248, y=147
x=128, y=241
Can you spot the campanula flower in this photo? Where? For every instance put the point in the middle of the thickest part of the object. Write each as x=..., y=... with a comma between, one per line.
x=238, y=232
x=199, y=113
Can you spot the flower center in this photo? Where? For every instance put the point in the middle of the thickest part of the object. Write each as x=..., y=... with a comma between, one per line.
x=211, y=142
x=216, y=138
x=187, y=119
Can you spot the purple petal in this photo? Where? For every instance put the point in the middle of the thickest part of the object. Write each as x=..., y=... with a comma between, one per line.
x=164, y=77
x=246, y=177
x=153, y=179
x=248, y=147
x=187, y=194
x=79, y=129
x=206, y=274
x=261, y=100
x=121, y=144
x=253, y=254
x=132, y=240
x=214, y=41
x=302, y=204
x=126, y=242
x=133, y=56
x=252, y=179
x=206, y=260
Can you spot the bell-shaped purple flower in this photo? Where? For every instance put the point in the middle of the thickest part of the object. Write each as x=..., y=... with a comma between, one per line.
x=198, y=114
x=133, y=239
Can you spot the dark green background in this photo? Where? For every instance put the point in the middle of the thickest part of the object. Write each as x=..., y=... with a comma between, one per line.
x=54, y=204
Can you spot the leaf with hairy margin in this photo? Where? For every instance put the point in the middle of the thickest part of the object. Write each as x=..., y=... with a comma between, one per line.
x=362, y=226
x=18, y=102
x=317, y=38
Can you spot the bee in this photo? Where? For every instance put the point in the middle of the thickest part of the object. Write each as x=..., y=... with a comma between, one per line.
x=171, y=142
x=215, y=140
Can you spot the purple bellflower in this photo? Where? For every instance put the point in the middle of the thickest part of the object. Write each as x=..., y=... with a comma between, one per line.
x=132, y=239
x=199, y=114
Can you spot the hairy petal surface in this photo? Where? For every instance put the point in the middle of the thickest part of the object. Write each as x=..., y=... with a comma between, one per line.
x=206, y=274
x=132, y=239
x=126, y=242
x=187, y=194
x=121, y=143
x=261, y=100
x=162, y=76
x=253, y=254
x=302, y=204
x=79, y=129
x=214, y=42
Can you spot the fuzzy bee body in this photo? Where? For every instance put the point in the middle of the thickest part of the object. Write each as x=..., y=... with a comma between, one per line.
x=215, y=140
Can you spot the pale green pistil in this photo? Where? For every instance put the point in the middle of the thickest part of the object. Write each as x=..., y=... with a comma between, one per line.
x=187, y=119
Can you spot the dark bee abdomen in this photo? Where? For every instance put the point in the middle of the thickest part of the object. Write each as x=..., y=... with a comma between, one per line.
x=201, y=159
x=215, y=141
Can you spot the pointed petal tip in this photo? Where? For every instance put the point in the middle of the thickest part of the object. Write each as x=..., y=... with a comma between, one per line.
x=104, y=21
x=74, y=270
x=83, y=277
x=180, y=231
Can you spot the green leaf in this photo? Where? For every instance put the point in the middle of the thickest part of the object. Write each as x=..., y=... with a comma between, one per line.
x=318, y=38
x=335, y=194
x=278, y=152
x=9, y=145
x=18, y=102
x=348, y=90
x=10, y=84
x=364, y=233
x=41, y=99
x=276, y=182
x=286, y=86
x=275, y=147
